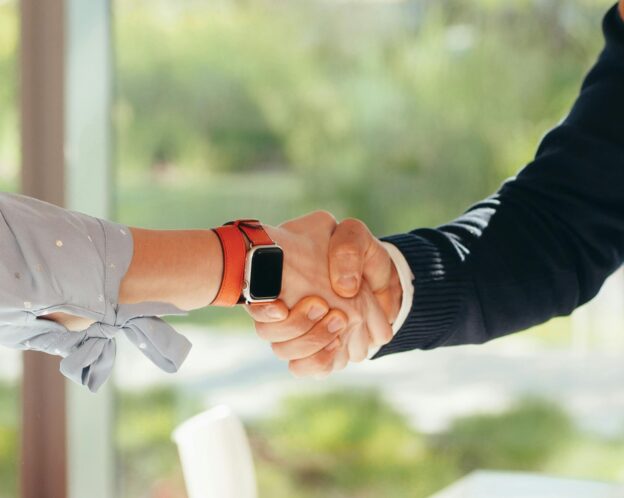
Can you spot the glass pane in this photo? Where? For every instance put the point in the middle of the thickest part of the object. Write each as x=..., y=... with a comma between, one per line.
x=399, y=113
x=10, y=361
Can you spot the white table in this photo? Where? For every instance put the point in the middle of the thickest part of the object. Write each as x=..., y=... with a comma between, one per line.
x=490, y=484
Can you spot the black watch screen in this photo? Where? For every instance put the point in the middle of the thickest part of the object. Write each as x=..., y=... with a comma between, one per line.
x=266, y=273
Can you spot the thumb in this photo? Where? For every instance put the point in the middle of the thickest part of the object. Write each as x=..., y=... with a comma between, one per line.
x=348, y=247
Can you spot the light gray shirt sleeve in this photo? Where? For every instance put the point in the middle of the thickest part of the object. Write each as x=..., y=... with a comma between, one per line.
x=56, y=260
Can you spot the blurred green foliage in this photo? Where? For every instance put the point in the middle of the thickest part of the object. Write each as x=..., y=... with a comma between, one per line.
x=145, y=452
x=355, y=445
x=349, y=443
x=346, y=443
x=9, y=127
x=524, y=438
x=400, y=113
x=9, y=440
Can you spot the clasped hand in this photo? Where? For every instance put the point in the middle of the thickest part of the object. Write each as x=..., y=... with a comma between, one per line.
x=340, y=295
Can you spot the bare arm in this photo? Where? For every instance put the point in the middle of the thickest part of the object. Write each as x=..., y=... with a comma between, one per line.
x=182, y=267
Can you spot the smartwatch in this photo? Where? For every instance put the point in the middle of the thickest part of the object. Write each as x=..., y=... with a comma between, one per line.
x=252, y=264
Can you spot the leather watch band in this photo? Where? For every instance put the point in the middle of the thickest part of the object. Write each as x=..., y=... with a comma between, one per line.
x=234, y=249
x=254, y=232
x=234, y=237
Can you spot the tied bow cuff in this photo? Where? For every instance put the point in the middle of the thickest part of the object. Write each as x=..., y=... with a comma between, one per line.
x=89, y=355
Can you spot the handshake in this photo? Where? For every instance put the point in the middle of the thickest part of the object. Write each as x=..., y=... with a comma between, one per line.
x=341, y=293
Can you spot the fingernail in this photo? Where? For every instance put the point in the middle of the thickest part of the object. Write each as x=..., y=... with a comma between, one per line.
x=335, y=324
x=316, y=312
x=275, y=313
x=347, y=283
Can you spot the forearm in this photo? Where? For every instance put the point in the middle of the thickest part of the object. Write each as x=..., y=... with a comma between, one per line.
x=78, y=270
x=544, y=244
x=182, y=267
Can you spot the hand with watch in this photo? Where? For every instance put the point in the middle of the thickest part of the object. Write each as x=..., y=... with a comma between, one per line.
x=262, y=263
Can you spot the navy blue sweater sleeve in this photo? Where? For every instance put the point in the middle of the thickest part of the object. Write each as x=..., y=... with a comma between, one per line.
x=544, y=243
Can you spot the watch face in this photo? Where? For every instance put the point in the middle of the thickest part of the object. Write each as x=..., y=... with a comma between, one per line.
x=266, y=273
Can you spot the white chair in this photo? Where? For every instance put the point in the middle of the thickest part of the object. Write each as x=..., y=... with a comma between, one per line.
x=215, y=455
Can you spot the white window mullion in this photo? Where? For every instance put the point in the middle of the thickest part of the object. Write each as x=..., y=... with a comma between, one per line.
x=88, y=153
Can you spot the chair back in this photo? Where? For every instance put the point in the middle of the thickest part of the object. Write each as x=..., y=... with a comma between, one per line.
x=216, y=456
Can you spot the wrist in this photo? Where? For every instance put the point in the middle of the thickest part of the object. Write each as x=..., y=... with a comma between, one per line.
x=404, y=294
x=214, y=271
x=252, y=264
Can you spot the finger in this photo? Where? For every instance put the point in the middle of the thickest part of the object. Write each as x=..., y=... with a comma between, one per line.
x=319, y=364
x=347, y=250
x=342, y=357
x=320, y=336
x=359, y=342
x=379, y=329
x=268, y=312
x=378, y=266
x=302, y=318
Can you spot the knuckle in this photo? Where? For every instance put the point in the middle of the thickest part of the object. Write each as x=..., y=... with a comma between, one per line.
x=310, y=301
x=280, y=351
x=317, y=362
x=323, y=220
x=262, y=330
x=298, y=324
x=291, y=331
x=295, y=369
x=300, y=313
x=323, y=365
x=258, y=313
x=353, y=225
x=317, y=365
x=325, y=216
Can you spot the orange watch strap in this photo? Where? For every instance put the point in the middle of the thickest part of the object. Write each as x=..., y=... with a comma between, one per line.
x=232, y=236
x=254, y=231
x=234, y=255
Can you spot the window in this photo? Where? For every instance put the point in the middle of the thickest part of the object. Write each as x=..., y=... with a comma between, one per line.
x=10, y=361
x=402, y=114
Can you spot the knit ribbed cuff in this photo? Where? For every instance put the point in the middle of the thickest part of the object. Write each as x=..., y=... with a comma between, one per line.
x=440, y=286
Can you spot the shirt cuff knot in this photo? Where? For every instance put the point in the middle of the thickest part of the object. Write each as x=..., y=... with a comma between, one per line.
x=89, y=355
